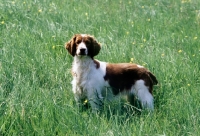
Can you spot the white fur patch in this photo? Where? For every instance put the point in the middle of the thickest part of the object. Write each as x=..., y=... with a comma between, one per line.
x=83, y=35
x=89, y=80
x=142, y=92
x=81, y=46
x=139, y=66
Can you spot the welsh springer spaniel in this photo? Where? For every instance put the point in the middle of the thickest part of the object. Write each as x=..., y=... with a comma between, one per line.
x=92, y=78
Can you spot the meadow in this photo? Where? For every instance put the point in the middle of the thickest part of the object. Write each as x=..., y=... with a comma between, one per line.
x=35, y=78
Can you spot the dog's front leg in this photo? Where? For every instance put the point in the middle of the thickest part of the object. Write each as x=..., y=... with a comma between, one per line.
x=79, y=94
x=95, y=99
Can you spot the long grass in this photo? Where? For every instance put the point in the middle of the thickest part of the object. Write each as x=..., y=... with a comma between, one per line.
x=35, y=88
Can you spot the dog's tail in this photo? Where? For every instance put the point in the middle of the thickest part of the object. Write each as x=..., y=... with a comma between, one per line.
x=153, y=78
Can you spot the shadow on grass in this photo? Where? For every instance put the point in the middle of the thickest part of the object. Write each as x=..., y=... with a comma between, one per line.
x=122, y=109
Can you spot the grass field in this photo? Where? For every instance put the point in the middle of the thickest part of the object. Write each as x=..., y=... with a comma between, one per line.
x=35, y=88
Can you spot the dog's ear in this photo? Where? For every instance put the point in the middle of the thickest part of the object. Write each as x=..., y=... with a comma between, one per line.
x=71, y=46
x=95, y=48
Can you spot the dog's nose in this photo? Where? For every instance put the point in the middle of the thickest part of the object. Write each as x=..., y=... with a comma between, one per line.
x=82, y=50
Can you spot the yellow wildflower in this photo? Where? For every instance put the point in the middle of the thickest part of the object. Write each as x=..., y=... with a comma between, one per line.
x=163, y=55
x=132, y=59
x=53, y=47
x=2, y=22
x=86, y=14
x=180, y=51
x=188, y=84
x=185, y=1
x=85, y=102
x=39, y=10
x=195, y=38
x=149, y=19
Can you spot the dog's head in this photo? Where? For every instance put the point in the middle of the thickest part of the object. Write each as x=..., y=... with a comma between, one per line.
x=83, y=45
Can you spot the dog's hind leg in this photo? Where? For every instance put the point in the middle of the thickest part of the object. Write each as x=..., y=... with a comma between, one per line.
x=141, y=91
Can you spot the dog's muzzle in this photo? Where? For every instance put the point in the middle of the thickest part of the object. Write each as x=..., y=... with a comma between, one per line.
x=83, y=51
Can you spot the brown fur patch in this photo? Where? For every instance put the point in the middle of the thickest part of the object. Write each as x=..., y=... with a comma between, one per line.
x=71, y=46
x=122, y=76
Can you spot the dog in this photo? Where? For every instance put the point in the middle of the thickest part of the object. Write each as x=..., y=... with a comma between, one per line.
x=91, y=78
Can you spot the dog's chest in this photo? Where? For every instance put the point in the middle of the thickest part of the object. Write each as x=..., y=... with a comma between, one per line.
x=84, y=73
x=83, y=76
x=87, y=75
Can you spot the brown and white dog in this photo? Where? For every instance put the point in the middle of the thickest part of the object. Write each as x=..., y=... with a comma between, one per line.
x=91, y=78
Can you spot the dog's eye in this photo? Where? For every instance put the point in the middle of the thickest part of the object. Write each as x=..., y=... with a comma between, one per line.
x=87, y=42
x=79, y=41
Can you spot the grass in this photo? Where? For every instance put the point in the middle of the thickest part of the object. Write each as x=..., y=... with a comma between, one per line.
x=35, y=89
